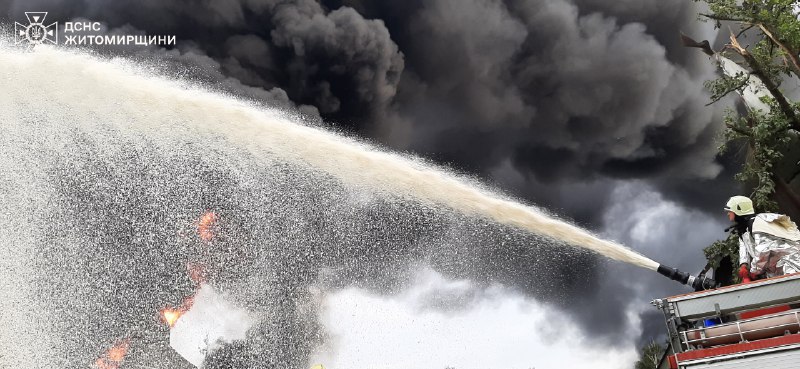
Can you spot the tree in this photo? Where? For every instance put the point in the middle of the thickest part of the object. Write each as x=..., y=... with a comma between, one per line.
x=762, y=55
x=651, y=356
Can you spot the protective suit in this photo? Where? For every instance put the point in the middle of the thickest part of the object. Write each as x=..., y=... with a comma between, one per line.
x=771, y=246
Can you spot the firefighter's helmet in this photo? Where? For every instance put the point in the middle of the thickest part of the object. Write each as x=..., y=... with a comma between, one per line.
x=740, y=205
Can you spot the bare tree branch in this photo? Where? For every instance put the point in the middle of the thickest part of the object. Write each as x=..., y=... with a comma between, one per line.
x=791, y=53
x=759, y=72
x=702, y=45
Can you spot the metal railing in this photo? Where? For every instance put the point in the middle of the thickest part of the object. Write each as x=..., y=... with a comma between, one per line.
x=742, y=332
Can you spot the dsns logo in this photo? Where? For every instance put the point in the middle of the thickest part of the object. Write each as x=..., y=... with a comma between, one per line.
x=36, y=32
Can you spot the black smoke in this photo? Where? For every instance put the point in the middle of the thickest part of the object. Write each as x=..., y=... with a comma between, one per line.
x=565, y=91
x=553, y=101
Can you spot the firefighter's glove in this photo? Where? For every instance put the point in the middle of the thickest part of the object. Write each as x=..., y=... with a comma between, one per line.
x=744, y=273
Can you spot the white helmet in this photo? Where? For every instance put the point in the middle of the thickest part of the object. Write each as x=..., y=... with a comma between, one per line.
x=740, y=205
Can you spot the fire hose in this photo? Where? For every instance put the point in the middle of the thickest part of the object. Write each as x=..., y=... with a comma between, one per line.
x=699, y=283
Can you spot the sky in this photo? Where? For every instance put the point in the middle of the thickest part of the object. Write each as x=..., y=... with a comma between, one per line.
x=590, y=109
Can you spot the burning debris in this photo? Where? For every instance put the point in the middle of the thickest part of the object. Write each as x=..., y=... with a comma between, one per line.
x=203, y=321
x=171, y=315
x=209, y=322
x=198, y=272
x=115, y=355
x=207, y=226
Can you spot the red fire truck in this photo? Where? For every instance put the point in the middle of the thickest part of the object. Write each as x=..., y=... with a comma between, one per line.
x=753, y=325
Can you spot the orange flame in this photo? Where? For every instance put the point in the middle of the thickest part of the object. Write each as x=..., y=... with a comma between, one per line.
x=112, y=358
x=171, y=315
x=206, y=228
x=206, y=225
x=197, y=272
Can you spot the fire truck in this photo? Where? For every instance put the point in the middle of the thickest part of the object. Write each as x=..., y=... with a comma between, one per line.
x=752, y=325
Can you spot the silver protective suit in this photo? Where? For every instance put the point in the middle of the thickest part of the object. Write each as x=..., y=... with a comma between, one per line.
x=773, y=246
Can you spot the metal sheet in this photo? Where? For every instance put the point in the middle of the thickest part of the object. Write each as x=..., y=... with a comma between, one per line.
x=774, y=291
x=211, y=321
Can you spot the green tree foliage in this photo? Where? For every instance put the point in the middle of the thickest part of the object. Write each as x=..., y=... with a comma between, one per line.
x=727, y=247
x=651, y=355
x=765, y=41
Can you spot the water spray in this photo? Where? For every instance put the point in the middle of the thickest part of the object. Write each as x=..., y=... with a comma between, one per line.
x=118, y=92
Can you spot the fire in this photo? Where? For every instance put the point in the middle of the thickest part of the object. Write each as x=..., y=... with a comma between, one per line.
x=112, y=358
x=197, y=272
x=206, y=226
x=206, y=229
x=171, y=315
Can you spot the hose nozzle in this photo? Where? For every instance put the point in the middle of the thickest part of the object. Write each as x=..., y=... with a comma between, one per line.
x=699, y=283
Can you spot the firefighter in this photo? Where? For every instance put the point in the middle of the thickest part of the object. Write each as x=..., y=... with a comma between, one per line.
x=769, y=244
